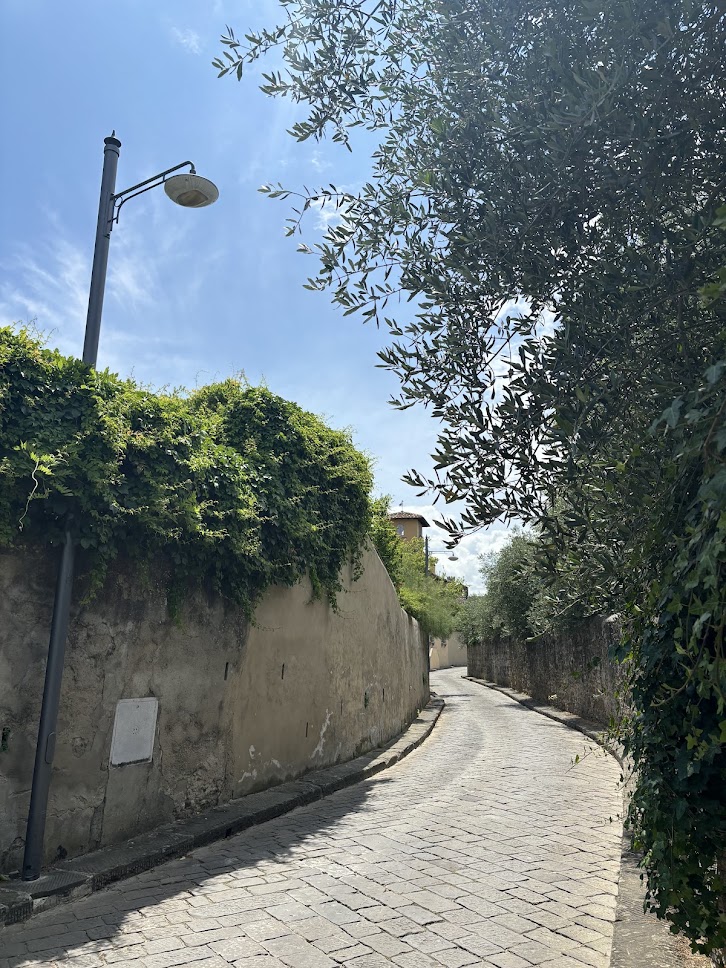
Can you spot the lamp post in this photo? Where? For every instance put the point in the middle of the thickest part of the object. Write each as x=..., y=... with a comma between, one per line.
x=190, y=191
x=452, y=556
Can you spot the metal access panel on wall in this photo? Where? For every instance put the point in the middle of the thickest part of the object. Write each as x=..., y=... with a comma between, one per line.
x=134, y=729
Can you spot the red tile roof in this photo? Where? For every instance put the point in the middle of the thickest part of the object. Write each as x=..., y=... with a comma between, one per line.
x=409, y=516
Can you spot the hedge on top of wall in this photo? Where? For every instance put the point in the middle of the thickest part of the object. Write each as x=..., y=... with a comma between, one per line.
x=238, y=488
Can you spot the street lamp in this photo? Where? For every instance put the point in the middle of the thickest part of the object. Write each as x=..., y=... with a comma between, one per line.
x=190, y=191
x=452, y=556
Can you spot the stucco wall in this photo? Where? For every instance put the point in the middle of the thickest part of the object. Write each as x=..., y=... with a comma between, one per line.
x=571, y=670
x=446, y=653
x=230, y=719
x=408, y=528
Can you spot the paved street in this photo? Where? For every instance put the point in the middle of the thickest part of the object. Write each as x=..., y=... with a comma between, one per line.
x=485, y=846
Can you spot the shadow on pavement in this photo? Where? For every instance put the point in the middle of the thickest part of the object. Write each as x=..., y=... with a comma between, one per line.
x=88, y=926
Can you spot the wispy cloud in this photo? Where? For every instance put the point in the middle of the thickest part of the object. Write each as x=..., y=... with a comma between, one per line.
x=318, y=162
x=48, y=284
x=187, y=38
x=327, y=213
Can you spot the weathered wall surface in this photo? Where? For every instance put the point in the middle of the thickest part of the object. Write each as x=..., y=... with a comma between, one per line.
x=318, y=687
x=445, y=653
x=570, y=670
x=240, y=706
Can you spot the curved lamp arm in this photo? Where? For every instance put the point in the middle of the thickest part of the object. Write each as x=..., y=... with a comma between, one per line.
x=120, y=198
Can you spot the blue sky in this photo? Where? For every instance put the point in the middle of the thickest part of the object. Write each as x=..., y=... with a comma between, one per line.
x=192, y=296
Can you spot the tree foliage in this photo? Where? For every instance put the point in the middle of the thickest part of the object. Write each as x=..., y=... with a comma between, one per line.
x=544, y=196
x=474, y=620
x=513, y=588
x=678, y=687
x=534, y=159
x=434, y=600
x=236, y=488
x=386, y=540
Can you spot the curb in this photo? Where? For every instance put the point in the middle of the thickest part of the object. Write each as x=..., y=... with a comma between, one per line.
x=638, y=938
x=591, y=729
x=88, y=873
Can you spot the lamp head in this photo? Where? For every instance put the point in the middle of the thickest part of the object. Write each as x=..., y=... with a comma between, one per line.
x=191, y=190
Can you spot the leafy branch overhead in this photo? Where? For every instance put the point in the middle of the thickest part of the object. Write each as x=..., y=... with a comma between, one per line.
x=532, y=162
x=541, y=239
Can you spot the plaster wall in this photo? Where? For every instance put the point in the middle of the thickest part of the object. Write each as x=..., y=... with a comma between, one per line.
x=321, y=687
x=230, y=720
x=446, y=653
x=408, y=528
x=572, y=670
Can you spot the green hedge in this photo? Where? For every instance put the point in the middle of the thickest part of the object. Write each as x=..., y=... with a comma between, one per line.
x=238, y=488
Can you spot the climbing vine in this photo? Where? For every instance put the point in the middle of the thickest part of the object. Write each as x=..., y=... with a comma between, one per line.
x=236, y=487
x=677, y=738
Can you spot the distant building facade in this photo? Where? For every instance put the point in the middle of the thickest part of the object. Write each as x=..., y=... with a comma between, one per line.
x=408, y=524
x=442, y=653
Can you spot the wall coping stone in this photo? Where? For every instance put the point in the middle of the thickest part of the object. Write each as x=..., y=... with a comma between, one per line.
x=90, y=872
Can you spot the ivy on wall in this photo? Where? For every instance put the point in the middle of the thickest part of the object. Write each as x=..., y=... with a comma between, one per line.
x=238, y=488
x=675, y=641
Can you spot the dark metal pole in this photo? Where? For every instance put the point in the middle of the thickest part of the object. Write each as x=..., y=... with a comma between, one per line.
x=33, y=858
x=45, y=748
x=100, y=252
x=426, y=555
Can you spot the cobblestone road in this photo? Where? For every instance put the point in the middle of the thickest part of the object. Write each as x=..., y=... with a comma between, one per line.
x=484, y=847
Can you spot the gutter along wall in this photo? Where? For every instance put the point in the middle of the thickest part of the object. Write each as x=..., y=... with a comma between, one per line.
x=228, y=707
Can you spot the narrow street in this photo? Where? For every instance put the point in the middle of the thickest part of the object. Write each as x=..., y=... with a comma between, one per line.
x=486, y=846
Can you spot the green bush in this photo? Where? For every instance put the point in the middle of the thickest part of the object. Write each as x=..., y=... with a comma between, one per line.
x=386, y=540
x=238, y=488
x=433, y=600
x=474, y=622
x=675, y=641
x=512, y=597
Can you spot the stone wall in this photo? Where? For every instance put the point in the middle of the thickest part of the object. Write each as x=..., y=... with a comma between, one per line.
x=240, y=706
x=571, y=670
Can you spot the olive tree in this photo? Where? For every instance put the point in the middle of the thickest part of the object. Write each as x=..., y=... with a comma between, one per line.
x=540, y=238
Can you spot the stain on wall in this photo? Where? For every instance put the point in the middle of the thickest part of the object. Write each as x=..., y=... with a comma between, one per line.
x=241, y=705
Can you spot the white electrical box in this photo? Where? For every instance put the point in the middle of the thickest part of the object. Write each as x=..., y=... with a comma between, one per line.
x=134, y=729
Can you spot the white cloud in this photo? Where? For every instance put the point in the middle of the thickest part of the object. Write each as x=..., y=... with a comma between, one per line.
x=48, y=283
x=318, y=162
x=188, y=39
x=131, y=279
x=327, y=213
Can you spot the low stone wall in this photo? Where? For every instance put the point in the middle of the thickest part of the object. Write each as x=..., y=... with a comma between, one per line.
x=570, y=670
x=238, y=706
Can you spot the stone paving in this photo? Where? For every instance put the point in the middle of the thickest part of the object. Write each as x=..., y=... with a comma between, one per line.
x=486, y=847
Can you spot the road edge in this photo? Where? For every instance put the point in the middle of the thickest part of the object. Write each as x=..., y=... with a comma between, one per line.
x=638, y=938
x=84, y=875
